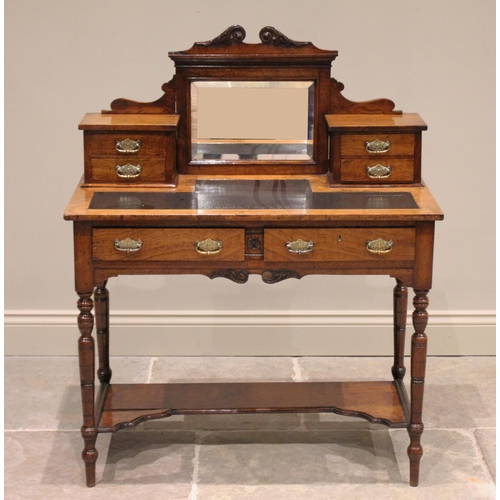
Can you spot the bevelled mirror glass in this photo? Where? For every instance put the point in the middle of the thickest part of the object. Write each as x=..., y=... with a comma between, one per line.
x=252, y=120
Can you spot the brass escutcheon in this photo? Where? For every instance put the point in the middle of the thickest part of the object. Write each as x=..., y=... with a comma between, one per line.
x=378, y=171
x=379, y=246
x=128, y=171
x=208, y=246
x=299, y=246
x=128, y=245
x=128, y=146
x=377, y=146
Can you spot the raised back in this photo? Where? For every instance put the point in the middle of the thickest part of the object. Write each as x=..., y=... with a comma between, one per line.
x=278, y=62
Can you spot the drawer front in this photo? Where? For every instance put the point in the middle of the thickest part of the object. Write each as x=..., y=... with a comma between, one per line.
x=128, y=170
x=138, y=144
x=371, y=170
x=339, y=245
x=353, y=145
x=194, y=244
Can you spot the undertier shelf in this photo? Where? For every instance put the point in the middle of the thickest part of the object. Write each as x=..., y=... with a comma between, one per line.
x=126, y=405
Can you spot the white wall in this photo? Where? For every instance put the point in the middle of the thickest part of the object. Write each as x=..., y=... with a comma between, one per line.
x=66, y=58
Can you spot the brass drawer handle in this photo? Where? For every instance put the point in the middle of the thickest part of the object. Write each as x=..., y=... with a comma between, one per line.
x=377, y=146
x=128, y=245
x=379, y=246
x=128, y=171
x=128, y=146
x=299, y=246
x=378, y=171
x=208, y=246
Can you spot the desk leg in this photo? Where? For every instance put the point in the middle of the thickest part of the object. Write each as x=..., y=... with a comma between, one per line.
x=400, y=312
x=86, y=360
x=101, y=298
x=418, y=359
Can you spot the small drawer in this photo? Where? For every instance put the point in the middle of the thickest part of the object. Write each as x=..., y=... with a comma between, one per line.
x=196, y=244
x=377, y=145
x=126, y=144
x=131, y=170
x=371, y=170
x=340, y=245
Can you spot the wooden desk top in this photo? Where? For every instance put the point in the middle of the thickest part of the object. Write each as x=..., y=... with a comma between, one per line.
x=407, y=122
x=427, y=208
x=151, y=122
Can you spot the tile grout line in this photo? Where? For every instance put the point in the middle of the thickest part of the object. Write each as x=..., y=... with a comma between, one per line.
x=150, y=372
x=297, y=377
x=465, y=430
x=193, y=494
x=470, y=433
x=297, y=373
x=42, y=430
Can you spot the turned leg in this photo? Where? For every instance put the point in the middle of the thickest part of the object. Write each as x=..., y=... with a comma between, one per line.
x=418, y=358
x=101, y=298
x=86, y=360
x=400, y=311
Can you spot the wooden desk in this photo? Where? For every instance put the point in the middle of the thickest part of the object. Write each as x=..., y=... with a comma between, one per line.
x=277, y=225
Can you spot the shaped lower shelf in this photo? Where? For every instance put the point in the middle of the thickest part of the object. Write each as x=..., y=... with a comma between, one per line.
x=126, y=405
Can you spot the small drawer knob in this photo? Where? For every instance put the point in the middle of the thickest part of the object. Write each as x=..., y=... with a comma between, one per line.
x=377, y=146
x=128, y=146
x=128, y=245
x=378, y=171
x=208, y=246
x=128, y=171
x=379, y=245
x=300, y=246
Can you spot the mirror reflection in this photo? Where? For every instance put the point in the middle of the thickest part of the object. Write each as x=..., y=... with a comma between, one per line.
x=252, y=120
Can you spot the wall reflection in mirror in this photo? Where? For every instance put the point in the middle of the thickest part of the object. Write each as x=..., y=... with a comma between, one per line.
x=252, y=120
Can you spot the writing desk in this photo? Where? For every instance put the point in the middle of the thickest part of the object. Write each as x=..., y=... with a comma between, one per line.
x=177, y=220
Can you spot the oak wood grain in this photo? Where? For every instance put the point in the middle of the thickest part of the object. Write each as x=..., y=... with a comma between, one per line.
x=169, y=244
x=367, y=123
x=104, y=143
x=355, y=170
x=354, y=144
x=104, y=169
x=333, y=245
x=125, y=122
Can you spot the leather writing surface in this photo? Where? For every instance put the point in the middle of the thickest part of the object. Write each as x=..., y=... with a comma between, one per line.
x=251, y=195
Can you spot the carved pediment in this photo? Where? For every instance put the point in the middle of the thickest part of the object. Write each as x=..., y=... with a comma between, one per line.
x=229, y=49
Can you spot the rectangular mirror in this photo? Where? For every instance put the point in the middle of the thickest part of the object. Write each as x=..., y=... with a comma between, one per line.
x=252, y=120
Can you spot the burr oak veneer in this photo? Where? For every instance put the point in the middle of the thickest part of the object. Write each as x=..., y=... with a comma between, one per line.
x=166, y=191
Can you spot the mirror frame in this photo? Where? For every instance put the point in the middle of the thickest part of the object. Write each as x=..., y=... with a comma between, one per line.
x=277, y=58
x=259, y=138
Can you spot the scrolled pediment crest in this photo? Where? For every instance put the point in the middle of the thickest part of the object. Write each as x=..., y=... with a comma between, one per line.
x=236, y=34
x=271, y=36
x=231, y=36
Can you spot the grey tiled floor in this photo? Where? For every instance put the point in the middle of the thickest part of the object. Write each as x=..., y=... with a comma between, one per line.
x=274, y=457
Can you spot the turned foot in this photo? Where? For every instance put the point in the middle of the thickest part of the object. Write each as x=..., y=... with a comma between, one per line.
x=418, y=359
x=87, y=367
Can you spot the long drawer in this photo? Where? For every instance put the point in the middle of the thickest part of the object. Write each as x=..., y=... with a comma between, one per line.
x=339, y=245
x=192, y=244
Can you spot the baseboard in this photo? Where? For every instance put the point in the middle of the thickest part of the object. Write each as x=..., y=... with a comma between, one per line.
x=250, y=333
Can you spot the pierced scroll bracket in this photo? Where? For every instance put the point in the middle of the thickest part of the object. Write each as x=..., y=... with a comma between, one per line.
x=275, y=276
x=340, y=104
x=238, y=276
